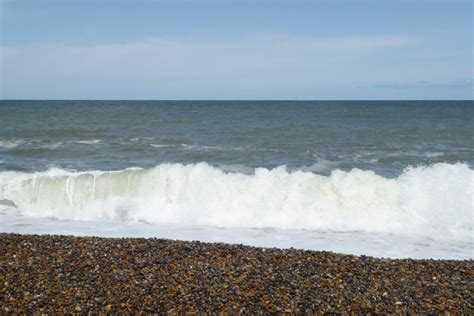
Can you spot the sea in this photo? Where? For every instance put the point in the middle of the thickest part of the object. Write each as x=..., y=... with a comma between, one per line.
x=389, y=179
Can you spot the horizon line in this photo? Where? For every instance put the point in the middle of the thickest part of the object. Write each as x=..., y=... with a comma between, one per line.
x=234, y=100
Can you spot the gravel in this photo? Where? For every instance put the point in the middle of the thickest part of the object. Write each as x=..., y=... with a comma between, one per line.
x=52, y=274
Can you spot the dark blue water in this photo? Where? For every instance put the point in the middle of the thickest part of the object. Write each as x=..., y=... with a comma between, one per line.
x=318, y=136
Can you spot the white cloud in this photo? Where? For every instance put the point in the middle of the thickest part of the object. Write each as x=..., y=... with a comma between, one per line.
x=171, y=67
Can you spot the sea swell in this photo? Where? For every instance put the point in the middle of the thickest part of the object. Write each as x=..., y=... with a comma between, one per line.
x=433, y=201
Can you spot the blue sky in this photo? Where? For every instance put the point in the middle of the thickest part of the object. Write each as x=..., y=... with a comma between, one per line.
x=236, y=49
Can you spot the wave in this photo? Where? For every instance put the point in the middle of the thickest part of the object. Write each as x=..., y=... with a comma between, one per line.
x=160, y=145
x=434, y=201
x=89, y=141
x=8, y=144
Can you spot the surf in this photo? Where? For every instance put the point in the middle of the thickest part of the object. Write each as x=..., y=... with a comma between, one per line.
x=431, y=201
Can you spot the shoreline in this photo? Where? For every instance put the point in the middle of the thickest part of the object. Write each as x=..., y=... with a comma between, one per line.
x=52, y=273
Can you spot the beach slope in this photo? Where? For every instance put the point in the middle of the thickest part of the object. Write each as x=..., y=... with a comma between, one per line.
x=50, y=274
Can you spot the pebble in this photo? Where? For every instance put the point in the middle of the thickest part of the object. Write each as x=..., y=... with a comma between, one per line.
x=42, y=274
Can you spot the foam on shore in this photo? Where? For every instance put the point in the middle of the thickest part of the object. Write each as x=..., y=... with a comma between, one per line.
x=434, y=201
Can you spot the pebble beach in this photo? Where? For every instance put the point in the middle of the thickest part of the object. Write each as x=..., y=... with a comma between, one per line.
x=64, y=274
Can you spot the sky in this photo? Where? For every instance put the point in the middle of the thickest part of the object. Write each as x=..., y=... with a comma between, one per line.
x=317, y=50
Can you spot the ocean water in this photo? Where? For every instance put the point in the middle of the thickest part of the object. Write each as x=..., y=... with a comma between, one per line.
x=382, y=178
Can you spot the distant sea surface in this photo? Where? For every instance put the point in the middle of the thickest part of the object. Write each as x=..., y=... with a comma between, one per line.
x=384, y=178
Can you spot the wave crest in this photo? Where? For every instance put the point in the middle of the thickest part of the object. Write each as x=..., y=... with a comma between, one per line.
x=434, y=201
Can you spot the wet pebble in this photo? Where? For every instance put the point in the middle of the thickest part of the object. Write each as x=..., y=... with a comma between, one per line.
x=62, y=274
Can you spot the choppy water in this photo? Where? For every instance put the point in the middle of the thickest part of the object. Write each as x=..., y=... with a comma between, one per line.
x=379, y=178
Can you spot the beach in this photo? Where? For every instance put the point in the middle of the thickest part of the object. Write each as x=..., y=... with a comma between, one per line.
x=51, y=274
x=236, y=157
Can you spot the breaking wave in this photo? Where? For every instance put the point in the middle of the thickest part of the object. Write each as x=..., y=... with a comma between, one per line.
x=434, y=201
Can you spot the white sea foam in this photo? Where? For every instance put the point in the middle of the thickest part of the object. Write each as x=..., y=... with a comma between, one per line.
x=434, y=154
x=89, y=141
x=198, y=147
x=192, y=147
x=11, y=143
x=236, y=168
x=434, y=201
x=320, y=165
x=138, y=139
x=185, y=146
x=53, y=146
x=160, y=145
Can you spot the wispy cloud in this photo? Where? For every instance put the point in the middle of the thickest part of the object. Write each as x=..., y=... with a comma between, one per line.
x=251, y=52
x=345, y=43
x=422, y=84
x=171, y=66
